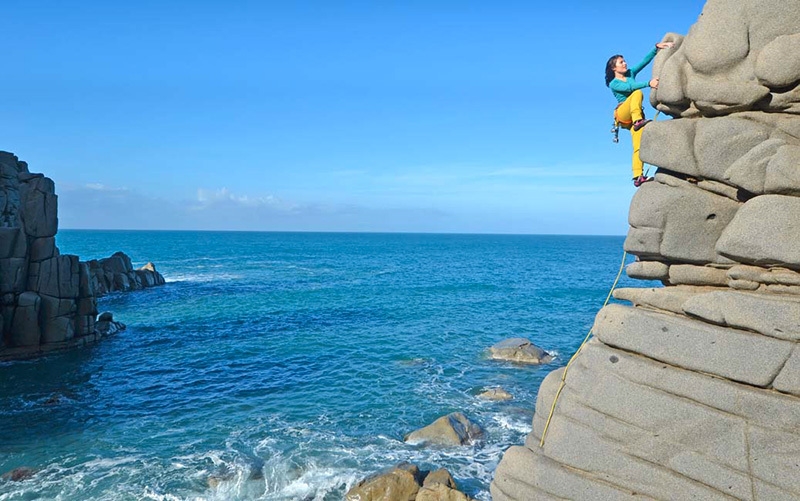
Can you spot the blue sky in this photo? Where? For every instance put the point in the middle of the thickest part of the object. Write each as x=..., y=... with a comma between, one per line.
x=438, y=116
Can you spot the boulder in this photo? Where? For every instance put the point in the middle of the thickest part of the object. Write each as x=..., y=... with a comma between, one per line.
x=519, y=350
x=399, y=483
x=18, y=474
x=452, y=429
x=496, y=394
x=440, y=486
x=107, y=328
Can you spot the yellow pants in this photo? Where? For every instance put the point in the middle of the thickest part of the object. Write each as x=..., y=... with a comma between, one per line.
x=628, y=112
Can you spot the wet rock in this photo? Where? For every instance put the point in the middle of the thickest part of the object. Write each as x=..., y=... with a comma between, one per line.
x=399, y=483
x=18, y=474
x=519, y=350
x=452, y=429
x=496, y=394
x=439, y=485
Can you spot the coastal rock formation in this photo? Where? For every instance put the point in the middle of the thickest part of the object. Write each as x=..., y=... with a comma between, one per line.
x=693, y=390
x=48, y=301
x=406, y=482
x=452, y=429
x=116, y=274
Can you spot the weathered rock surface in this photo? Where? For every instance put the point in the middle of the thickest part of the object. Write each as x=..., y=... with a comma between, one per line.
x=452, y=429
x=48, y=301
x=406, y=482
x=519, y=350
x=694, y=391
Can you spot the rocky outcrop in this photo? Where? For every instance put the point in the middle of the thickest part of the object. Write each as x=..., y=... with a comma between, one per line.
x=406, y=482
x=116, y=274
x=693, y=390
x=48, y=301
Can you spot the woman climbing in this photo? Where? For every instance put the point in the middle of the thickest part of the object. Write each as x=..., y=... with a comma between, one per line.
x=629, y=113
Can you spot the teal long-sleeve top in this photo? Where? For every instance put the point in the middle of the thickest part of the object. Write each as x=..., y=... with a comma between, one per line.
x=623, y=89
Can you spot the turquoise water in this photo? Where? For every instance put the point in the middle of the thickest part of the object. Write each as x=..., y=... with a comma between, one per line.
x=290, y=365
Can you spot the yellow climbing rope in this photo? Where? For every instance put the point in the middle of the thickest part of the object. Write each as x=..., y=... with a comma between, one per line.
x=585, y=340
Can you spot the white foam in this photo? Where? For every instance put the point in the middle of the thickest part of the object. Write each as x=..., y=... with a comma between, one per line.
x=508, y=423
x=202, y=277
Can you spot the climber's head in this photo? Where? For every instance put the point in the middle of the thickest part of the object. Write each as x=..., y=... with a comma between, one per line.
x=616, y=64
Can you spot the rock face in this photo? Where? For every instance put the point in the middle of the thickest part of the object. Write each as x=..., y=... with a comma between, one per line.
x=48, y=301
x=693, y=391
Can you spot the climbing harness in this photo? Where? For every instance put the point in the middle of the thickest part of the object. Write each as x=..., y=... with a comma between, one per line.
x=585, y=340
x=615, y=125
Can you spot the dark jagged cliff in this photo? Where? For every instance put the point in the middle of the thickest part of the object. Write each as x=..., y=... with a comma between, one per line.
x=693, y=391
x=49, y=300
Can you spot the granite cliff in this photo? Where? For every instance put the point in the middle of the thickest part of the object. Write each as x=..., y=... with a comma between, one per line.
x=48, y=301
x=693, y=390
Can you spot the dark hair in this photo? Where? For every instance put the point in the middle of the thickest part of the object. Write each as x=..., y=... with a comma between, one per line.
x=612, y=61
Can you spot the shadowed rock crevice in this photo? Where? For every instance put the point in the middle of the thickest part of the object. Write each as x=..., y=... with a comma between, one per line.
x=693, y=391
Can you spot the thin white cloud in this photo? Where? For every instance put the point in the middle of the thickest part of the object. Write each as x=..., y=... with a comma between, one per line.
x=210, y=197
x=92, y=187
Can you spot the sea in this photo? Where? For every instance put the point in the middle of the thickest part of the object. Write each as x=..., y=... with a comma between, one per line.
x=289, y=366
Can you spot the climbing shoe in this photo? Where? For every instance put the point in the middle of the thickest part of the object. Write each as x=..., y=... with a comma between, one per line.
x=640, y=123
x=638, y=181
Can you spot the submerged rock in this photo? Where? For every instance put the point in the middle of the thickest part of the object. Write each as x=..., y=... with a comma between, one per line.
x=519, y=350
x=18, y=474
x=452, y=429
x=496, y=394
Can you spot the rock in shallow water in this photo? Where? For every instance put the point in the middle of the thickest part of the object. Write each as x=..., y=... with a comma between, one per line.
x=400, y=483
x=519, y=350
x=405, y=482
x=496, y=394
x=18, y=474
x=452, y=429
